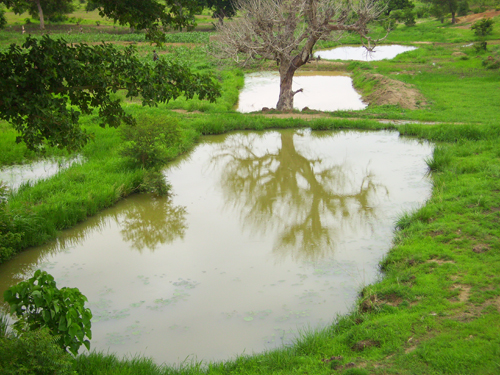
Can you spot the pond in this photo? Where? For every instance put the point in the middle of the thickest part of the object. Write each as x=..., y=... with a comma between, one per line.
x=266, y=234
x=16, y=175
x=361, y=54
x=323, y=91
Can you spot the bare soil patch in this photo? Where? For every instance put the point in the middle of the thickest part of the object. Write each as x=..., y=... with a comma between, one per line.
x=393, y=92
x=476, y=17
x=464, y=292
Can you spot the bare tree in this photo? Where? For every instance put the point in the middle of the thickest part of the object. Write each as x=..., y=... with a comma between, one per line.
x=287, y=30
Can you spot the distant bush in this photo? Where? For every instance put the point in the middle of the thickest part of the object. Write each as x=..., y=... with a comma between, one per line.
x=483, y=27
x=480, y=47
x=58, y=18
x=491, y=63
x=3, y=20
x=409, y=17
x=463, y=8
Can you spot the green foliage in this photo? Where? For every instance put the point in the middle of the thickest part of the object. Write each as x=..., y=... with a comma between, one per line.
x=33, y=352
x=51, y=8
x=9, y=237
x=398, y=4
x=37, y=303
x=221, y=8
x=463, y=8
x=39, y=79
x=154, y=182
x=483, y=27
x=150, y=15
x=148, y=144
x=3, y=20
x=491, y=62
x=406, y=15
x=480, y=46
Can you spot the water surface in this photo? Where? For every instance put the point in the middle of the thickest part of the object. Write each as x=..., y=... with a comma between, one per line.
x=15, y=175
x=361, y=54
x=267, y=233
x=323, y=91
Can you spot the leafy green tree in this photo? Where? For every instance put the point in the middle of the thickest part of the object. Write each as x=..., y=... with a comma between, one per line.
x=38, y=303
x=42, y=8
x=221, y=9
x=483, y=27
x=463, y=8
x=398, y=4
x=152, y=15
x=40, y=78
x=441, y=7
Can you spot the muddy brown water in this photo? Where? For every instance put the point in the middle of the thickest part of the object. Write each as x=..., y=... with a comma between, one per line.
x=359, y=53
x=322, y=91
x=267, y=234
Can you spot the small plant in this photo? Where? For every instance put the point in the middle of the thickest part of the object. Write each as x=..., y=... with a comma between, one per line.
x=27, y=21
x=480, y=47
x=148, y=144
x=483, y=27
x=97, y=23
x=491, y=63
x=38, y=303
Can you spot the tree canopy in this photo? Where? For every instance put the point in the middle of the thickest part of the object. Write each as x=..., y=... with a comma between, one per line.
x=45, y=85
x=42, y=8
x=150, y=15
x=221, y=9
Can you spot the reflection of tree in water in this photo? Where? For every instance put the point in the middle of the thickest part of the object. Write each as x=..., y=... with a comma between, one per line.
x=145, y=221
x=155, y=221
x=309, y=202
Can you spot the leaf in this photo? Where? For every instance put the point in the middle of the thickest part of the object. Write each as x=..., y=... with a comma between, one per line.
x=62, y=324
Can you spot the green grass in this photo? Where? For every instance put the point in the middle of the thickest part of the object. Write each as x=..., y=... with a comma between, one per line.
x=437, y=308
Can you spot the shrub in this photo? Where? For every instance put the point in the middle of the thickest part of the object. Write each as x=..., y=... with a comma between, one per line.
x=480, y=47
x=33, y=352
x=3, y=20
x=38, y=303
x=148, y=144
x=491, y=63
x=483, y=27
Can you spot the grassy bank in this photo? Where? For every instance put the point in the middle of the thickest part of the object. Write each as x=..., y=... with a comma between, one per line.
x=437, y=308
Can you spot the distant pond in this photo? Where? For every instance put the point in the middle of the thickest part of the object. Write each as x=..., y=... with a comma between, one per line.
x=266, y=234
x=322, y=91
x=361, y=54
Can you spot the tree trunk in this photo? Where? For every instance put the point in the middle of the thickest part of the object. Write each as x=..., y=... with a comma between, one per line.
x=287, y=70
x=40, y=14
x=453, y=19
x=285, y=102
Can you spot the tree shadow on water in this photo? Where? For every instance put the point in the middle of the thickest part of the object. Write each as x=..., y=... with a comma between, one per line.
x=303, y=196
